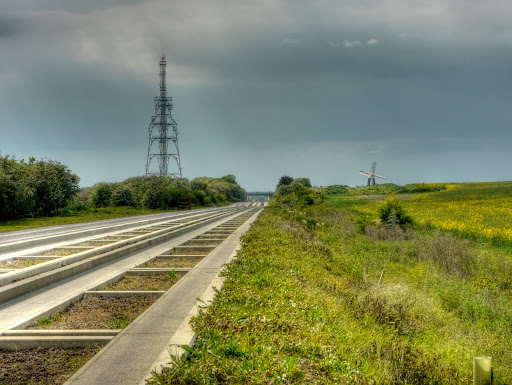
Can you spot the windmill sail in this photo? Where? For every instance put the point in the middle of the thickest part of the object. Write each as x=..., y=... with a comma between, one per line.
x=371, y=175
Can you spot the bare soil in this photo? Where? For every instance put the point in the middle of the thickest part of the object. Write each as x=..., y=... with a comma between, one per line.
x=161, y=281
x=174, y=262
x=114, y=238
x=43, y=366
x=99, y=313
x=59, y=252
x=137, y=233
x=94, y=243
x=21, y=263
x=214, y=236
x=178, y=251
x=196, y=242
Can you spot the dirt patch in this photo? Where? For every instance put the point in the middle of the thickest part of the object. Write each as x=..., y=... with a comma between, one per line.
x=174, y=262
x=137, y=233
x=178, y=251
x=59, y=252
x=114, y=238
x=163, y=281
x=94, y=243
x=43, y=366
x=22, y=263
x=212, y=236
x=98, y=313
x=205, y=242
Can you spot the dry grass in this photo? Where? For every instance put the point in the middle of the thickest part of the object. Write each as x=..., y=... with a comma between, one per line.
x=174, y=261
x=389, y=233
x=178, y=251
x=21, y=263
x=161, y=281
x=99, y=313
x=59, y=252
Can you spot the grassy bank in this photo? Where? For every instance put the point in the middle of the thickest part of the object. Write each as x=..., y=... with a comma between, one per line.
x=93, y=214
x=312, y=300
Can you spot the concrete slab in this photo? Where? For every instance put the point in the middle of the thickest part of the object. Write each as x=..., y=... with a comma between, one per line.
x=44, y=274
x=127, y=359
x=24, y=310
x=31, y=342
x=62, y=333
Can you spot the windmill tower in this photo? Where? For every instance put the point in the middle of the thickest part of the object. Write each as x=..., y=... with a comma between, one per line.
x=162, y=130
x=371, y=175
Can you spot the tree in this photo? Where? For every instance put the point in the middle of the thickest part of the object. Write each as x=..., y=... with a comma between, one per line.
x=123, y=196
x=302, y=181
x=284, y=181
x=230, y=178
x=102, y=195
x=34, y=188
x=54, y=185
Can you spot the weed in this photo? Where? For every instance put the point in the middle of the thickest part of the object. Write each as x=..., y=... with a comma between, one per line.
x=28, y=263
x=44, y=321
x=171, y=275
x=121, y=323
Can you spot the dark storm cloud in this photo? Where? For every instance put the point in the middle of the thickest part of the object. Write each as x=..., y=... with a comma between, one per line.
x=280, y=86
x=10, y=26
x=78, y=6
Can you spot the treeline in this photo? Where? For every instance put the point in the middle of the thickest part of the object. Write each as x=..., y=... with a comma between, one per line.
x=36, y=188
x=155, y=192
x=49, y=188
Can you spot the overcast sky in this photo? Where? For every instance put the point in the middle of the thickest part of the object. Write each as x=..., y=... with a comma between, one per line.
x=263, y=88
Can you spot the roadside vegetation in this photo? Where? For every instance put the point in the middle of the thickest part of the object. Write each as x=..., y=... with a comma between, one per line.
x=46, y=192
x=334, y=288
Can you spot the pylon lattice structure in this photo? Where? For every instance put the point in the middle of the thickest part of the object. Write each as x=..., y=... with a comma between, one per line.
x=162, y=130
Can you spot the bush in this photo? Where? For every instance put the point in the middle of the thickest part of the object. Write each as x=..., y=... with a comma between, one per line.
x=302, y=181
x=101, y=195
x=123, y=196
x=284, y=190
x=393, y=214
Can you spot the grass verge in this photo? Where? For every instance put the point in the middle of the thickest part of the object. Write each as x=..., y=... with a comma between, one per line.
x=311, y=300
x=75, y=217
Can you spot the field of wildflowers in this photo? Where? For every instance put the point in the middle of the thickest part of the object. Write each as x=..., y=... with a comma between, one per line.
x=477, y=210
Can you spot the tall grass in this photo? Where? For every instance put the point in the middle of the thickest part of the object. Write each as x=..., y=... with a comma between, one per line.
x=315, y=299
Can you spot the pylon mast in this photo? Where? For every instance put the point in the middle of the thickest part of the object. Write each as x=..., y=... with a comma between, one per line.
x=162, y=130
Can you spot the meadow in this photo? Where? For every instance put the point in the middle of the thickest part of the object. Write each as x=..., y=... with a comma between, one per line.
x=325, y=292
x=476, y=210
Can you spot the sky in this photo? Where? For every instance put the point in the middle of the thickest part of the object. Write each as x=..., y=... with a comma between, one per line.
x=263, y=88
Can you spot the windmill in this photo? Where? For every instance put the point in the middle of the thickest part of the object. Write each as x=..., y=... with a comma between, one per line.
x=371, y=175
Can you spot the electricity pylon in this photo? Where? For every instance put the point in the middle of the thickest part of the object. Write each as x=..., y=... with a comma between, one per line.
x=162, y=130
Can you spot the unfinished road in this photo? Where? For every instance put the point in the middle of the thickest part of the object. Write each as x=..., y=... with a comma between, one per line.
x=46, y=281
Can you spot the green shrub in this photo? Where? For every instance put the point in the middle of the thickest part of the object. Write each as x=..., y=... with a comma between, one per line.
x=393, y=214
x=101, y=195
x=302, y=181
x=123, y=196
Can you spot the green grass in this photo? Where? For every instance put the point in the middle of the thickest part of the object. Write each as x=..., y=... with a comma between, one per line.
x=310, y=300
x=75, y=217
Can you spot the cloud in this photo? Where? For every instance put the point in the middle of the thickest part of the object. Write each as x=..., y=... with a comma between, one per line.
x=10, y=26
x=349, y=44
x=372, y=42
x=290, y=42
